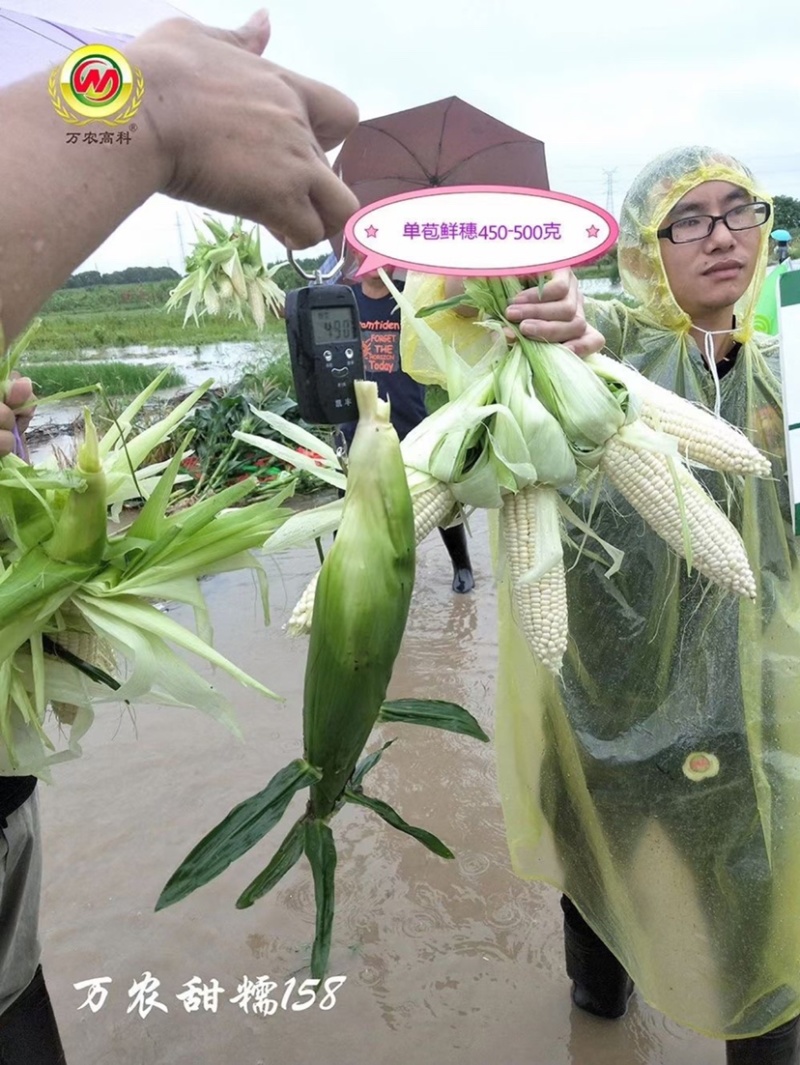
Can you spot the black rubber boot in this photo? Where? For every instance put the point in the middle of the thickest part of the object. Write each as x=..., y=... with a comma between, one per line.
x=455, y=540
x=600, y=985
x=28, y=1030
x=778, y=1047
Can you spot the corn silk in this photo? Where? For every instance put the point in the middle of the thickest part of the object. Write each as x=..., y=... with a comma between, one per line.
x=658, y=784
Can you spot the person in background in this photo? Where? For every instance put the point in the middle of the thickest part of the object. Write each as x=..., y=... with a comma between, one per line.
x=220, y=127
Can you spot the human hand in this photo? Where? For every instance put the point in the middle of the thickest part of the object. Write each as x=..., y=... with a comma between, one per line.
x=556, y=316
x=238, y=134
x=19, y=392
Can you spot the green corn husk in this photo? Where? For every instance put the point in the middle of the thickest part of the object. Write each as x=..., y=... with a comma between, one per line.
x=544, y=439
x=228, y=276
x=361, y=605
x=360, y=612
x=62, y=576
x=82, y=530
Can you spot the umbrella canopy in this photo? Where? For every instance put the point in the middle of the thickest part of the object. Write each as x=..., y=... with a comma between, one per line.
x=38, y=34
x=447, y=142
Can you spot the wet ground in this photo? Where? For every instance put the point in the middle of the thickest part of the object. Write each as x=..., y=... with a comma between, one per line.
x=457, y=963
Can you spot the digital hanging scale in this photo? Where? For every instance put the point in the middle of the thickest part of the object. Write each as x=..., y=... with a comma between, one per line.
x=324, y=333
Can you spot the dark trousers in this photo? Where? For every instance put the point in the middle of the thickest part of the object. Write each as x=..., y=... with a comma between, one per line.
x=601, y=980
x=28, y=1030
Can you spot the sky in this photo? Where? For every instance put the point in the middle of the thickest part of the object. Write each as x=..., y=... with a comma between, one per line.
x=606, y=84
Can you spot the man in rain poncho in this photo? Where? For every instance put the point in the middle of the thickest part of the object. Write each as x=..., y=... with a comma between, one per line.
x=658, y=784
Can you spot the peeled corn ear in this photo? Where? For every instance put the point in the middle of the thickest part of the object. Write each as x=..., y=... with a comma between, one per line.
x=648, y=481
x=532, y=539
x=703, y=438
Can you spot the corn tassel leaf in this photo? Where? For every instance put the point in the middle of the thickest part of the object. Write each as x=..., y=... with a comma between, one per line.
x=244, y=826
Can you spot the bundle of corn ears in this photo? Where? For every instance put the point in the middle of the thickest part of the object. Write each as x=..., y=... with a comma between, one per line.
x=362, y=601
x=641, y=437
x=533, y=420
x=77, y=623
x=227, y=276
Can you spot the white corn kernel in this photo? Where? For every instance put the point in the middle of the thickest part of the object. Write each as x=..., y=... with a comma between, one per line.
x=529, y=520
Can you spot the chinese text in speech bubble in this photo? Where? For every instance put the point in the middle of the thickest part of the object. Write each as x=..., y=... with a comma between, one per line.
x=480, y=230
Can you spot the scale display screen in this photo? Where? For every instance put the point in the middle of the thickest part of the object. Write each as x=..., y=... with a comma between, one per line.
x=332, y=325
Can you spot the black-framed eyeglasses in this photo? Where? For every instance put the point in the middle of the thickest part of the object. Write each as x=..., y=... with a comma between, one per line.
x=700, y=226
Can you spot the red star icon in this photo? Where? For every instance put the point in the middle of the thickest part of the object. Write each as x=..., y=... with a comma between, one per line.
x=592, y=231
x=371, y=231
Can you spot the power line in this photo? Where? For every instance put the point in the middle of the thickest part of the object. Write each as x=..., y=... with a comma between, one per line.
x=610, y=190
x=180, y=236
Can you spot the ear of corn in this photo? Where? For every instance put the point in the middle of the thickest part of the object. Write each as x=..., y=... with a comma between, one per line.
x=61, y=576
x=433, y=507
x=89, y=649
x=81, y=532
x=546, y=445
x=532, y=541
x=228, y=276
x=702, y=437
x=361, y=604
x=689, y=522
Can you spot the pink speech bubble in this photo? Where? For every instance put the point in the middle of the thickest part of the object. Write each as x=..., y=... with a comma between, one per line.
x=480, y=230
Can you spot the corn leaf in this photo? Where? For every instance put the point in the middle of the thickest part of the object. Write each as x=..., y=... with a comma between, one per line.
x=31, y=592
x=367, y=764
x=126, y=615
x=306, y=525
x=393, y=818
x=321, y=853
x=297, y=434
x=244, y=826
x=141, y=445
x=326, y=473
x=150, y=522
x=435, y=713
x=285, y=857
x=444, y=305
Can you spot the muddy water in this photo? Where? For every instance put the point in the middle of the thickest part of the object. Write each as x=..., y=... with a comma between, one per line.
x=224, y=362
x=457, y=963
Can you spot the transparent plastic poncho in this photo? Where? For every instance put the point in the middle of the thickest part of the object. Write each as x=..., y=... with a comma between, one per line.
x=658, y=783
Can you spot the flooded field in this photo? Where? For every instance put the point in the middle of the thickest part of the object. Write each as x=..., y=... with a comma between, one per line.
x=454, y=962
x=224, y=362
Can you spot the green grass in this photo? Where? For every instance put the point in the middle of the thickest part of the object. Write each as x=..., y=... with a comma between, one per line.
x=70, y=333
x=117, y=378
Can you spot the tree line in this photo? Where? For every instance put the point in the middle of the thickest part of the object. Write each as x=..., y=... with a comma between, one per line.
x=131, y=275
